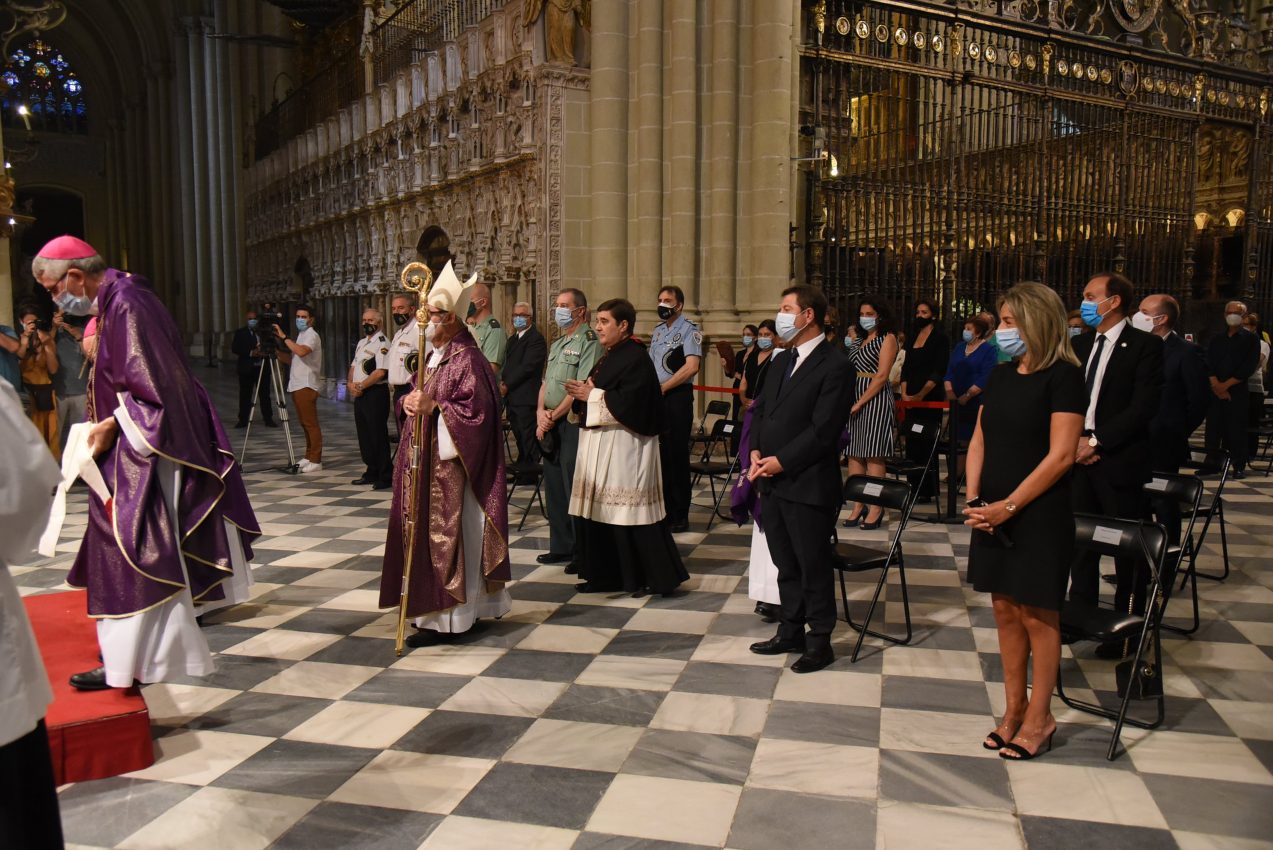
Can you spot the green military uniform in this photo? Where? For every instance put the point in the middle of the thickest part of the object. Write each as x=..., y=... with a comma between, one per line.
x=571, y=358
x=491, y=339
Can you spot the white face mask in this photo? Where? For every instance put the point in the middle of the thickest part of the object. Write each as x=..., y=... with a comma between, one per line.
x=1143, y=322
x=1230, y=319
x=430, y=331
x=786, y=325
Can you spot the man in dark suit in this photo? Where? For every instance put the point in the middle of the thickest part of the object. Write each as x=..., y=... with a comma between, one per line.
x=1231, y=358
x=523, y=373
x=1185, y=398
x=1123, y=370
x=246, y=348
x=795, y=429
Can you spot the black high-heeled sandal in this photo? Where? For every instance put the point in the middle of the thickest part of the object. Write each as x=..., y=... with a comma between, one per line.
x=871, y=526
x=851, y=522
x=999, y=743
x=1022, y=754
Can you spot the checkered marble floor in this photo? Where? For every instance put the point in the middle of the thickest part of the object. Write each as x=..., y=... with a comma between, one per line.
x=589, y=721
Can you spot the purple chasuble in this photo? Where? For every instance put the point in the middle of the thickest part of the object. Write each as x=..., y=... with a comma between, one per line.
x=464, y=387
x=128, y=559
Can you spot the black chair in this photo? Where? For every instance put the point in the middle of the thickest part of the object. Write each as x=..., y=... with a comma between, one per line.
x=723, y=431
x=928, y=434
x=1213, y=462
x=702, y=435
x=1263, y=433
x=852, y=558
x=523, y=475
x=1186, y=491
x=1090, y=622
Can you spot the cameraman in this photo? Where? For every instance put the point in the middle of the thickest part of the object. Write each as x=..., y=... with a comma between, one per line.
x=247, y=347
x=37, y=356
x=305, y=353
x=70, y=382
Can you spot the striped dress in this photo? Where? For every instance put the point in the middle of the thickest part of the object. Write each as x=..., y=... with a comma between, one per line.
x=871, y=430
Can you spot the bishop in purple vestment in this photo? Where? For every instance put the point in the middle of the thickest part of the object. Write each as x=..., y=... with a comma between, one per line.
x=178, y=521
x=459, y=564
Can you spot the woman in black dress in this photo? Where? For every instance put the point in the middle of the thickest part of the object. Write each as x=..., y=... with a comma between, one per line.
x=1019, y=494
x=757, y=365
x=923, y=379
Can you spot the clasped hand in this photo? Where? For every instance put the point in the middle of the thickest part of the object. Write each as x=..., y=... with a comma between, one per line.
x=580, y=390
x=763, y=467
x=418, y=402
x=987, y=517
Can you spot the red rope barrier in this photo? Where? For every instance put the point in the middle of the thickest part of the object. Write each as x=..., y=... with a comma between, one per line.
x=702, y=389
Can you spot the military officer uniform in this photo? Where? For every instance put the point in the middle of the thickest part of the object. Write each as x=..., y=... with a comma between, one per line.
x=490, y=338
x=404, y=353
x=371, y=411
x=669, y=348
x=571, y=358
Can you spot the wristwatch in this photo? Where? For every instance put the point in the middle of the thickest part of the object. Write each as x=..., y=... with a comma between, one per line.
x=1010, y=507
x=1093, y=442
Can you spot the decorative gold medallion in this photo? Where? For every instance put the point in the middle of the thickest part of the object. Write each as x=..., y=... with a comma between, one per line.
x=1077, y=70
x=1091, y=73
x=1030, y=62
x=1062, y=67
x=919, y=39
x=1147, y=84
x=842, y=25
x=862, y=29
x=1160, y=86
x=881, y=33
x=1211, y=95
x=1107, y=76
x=901, y=36
x=939, y=44
x=1014, y=58
x=1128, y=77
x=1241, y=101
x=992, y=54
x=974, y=50
x=1173, y=88
x=1224, y=98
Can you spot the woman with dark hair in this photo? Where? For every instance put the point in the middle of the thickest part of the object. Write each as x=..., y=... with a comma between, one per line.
x=923, y=378
x=872, y=416
x=623, y=539
x=757, y=366
x=736, y=367
x=966, y=376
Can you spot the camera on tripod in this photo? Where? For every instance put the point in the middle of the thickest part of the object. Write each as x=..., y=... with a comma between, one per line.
x=266, y=321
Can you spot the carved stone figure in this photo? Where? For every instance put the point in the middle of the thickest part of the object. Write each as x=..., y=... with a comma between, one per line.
x=561, y=17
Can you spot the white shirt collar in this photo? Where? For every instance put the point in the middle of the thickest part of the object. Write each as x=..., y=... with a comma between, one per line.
x=806, y=348
x=1115, y=332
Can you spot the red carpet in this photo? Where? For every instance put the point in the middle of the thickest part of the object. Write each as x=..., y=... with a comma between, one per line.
x=93, y=734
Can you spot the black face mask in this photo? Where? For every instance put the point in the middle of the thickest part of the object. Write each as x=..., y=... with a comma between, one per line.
x=400, y=319
x=923, y=321
x=666, y=312
x=368, y=329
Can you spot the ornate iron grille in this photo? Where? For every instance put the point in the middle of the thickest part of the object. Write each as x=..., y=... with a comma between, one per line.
x=957, y=150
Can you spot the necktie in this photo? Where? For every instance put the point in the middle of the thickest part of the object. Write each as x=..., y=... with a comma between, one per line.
x=791, y=367
x=1094, y=364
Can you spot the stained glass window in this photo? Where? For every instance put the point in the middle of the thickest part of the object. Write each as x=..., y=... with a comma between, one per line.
x=39, y=77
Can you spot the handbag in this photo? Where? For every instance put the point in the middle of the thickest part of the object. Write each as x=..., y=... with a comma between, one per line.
x=42, y=397
x=550, y=445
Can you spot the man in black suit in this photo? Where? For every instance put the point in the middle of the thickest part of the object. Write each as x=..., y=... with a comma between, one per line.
x=523, y=373
x=1231, y=358
x=1123, y=370
x=247, y=348
x=1185, y=398
x=795, y=429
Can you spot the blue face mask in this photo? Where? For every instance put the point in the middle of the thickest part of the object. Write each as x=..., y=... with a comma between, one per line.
x=969, y=336
x=867, y=323
x=1010, y=341
x=563, y=317
x=251, y=324
x=1091, y=312
x=786, y=325
x=520, y=322
x=748, y=339
x=765, y=343
x=1075, y=332
x=74, y=305
x=302, y=324
x=849, y=341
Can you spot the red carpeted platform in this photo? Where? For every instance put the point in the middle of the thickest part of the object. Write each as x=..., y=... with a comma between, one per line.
x=93, y=734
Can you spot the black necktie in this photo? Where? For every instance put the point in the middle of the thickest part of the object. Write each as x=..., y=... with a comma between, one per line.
x=1094, y=363
x=791, y=367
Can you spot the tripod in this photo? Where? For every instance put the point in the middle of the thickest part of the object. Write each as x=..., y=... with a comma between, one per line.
x=270, y=362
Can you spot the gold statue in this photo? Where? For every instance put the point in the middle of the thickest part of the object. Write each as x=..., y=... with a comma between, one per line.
x=560, y=20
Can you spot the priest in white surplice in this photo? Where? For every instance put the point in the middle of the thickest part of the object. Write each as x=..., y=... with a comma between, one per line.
x=624, y=542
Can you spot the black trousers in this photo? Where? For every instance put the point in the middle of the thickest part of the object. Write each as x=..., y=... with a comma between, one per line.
x=1169, y=450
x=522, y=419
x=371, y=418
x=799, y=538
x=247, y=381
x=674, y=452
x=1227, y=424
x=918, y=451
x=29, y=815
x=1094, y=493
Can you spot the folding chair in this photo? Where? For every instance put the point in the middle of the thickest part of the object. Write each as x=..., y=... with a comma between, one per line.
x=1213, y=461
x=1263, y=433
x=722, y=432
x=508, y=446
x=516, y=474
x=852, y=558
x=926, y=433
x=1186, y=491
x=702, y=435
x=1087, y=621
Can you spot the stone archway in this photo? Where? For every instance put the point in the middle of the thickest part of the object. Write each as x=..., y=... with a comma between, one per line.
x=434, y=248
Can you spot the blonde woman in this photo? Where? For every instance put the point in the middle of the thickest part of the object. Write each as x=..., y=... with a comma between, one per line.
x=1019, y=506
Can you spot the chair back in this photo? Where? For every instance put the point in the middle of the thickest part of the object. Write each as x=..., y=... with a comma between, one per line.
x=723, y=431
x=869, y=490
x=1129, y=538
x=1185, y=489
x=717, y=408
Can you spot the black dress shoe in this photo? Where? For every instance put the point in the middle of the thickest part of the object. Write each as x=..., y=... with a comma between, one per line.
x=572, y=569
x=586, y=587
x=381, y=485
x=361, y=479
x=1239, y=475
x=777, y=646
x=554, y=558
x=92, y=680
x=270, y=423
x=679, y=527
x=240, y=424
x=767, y=611
x=426, y=637
x=813, y=661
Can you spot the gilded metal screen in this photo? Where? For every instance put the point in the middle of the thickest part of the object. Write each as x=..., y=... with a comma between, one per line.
x=955, y=154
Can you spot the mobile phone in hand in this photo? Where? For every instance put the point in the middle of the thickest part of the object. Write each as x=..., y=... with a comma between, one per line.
x=998, y=532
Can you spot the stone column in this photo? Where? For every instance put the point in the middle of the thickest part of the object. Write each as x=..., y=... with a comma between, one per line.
x=212, y=141
x=608, y=116
x=645, y=158
x=185, y=198
x=680, y=129
x=717, y=296
x=198, y=238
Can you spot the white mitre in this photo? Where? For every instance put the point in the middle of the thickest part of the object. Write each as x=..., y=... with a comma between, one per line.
x=448, y=294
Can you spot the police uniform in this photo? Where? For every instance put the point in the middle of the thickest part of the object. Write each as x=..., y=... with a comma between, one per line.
x=570, y=358
x=669, y=348
x=490, y=338
x=371, y=410
x=404, y=352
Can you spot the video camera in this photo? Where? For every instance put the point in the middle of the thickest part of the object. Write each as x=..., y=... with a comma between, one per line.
x=266, y=321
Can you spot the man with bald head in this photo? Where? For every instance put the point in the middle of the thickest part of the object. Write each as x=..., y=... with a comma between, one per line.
x=1231, y=358
x=486, y=330
x=366, y=382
